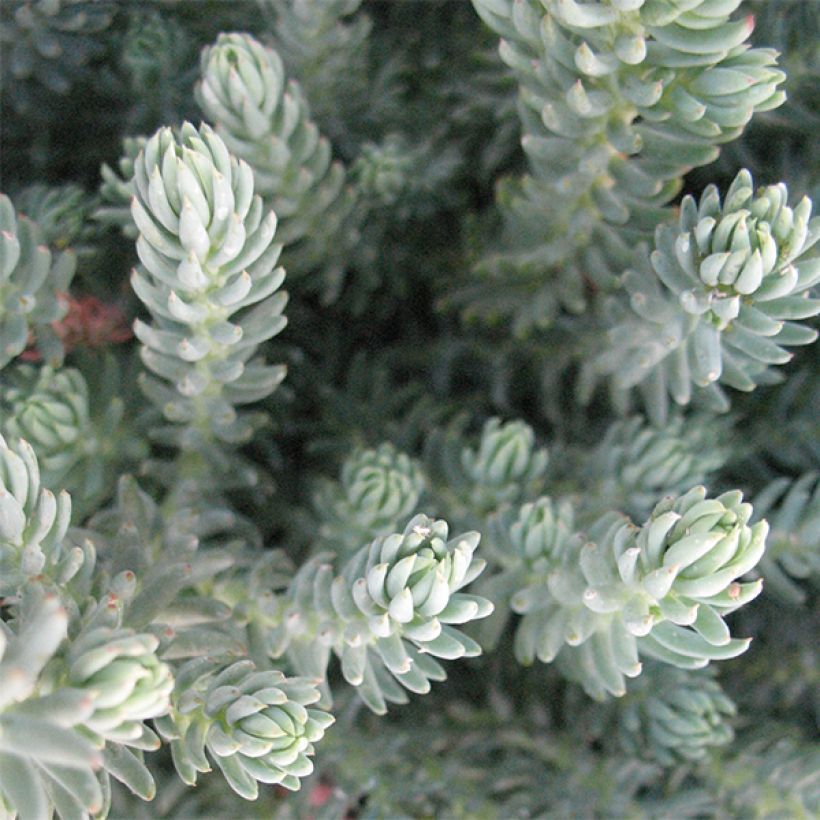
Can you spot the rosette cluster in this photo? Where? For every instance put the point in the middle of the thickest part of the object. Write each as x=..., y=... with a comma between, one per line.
x=118, y=669
x=72, y=662
x=32, y=282
x=673, y=715
x=79, y=443
x=637, y=463
x=45, y=762
x=408, y=583
x=127, y=681
x=540, y=534
x=618, y=101
x=393, y=606
x=383, y=169
x=720, y=301
x=376, y=490
x=254, y=724
x=525, y=544
x=209, y=279
x=61, y=213
x=264, y=120
x=33, y=522
x=49, y=409
x=597, y=600
x=506, y=466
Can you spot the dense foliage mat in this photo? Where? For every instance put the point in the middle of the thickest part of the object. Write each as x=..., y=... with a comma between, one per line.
x=409, y=409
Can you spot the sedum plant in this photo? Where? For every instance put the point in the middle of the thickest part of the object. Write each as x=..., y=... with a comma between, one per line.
x=635, y=464
x=675, y=714
x=252, y=723
x=599, y=600
x=617, y=101
x=51, y=409
x=206, y=249
x=50, y=44
x=727, y=286
x=239, y=525
x=32, y=288
x=264, y=120
x=376, y=491
x=393, y=605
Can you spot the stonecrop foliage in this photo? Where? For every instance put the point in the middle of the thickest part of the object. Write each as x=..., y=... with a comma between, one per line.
x=441, y=358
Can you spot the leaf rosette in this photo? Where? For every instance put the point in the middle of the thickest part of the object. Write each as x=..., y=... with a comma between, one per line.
x=254, y=724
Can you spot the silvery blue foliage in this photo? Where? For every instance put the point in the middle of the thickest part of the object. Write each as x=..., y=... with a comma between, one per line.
x=61, y=214
x=636, y=463
x=78, y=683
x=208, y=278
x=388, y=614
x=504, y=467
x=181, y=569
x=617, y=102
x=51, y=410
x=264, y=120
x=252, y=723
x=377, y=489
x=32, y=284
x=44, y=761
x=718, y=300
x=599, y=599
x=673, y=715
x=33, y=522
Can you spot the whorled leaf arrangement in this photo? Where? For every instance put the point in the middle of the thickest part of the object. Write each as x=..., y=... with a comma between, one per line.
x=52, y=410
x=718, y=300
x=33, y=522
x=163, y=619
x=618, y=100
x=78, y=682
x=377, y=489
x=32, y=284
x=636, y=463
x=44, y=761
x=388, y=614
x=670, y=715
x=61, y=214
x=505, y=467
x=252, y=723
x=209, y=280
x=88, y=657
x=264, y=120
x=598, y=600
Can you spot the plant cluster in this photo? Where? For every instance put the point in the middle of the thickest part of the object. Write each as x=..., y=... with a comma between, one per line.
x=349, y=348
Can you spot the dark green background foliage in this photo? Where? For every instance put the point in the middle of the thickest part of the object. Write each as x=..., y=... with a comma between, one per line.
x=440, y=279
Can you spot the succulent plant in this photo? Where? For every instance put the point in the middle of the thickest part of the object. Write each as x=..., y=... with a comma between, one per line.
x=33, y=283
x=720, y=301
x=253, y=723
x=377, y=489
